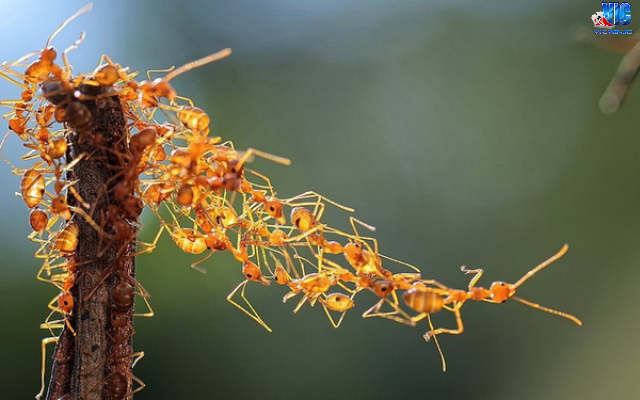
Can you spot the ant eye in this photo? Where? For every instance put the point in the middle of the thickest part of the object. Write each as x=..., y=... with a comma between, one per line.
x=249, y=276
x=272, y=208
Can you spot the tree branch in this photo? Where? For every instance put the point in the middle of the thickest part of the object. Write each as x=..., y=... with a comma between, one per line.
x=83, y=364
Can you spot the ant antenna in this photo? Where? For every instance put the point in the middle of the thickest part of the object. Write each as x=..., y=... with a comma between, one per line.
x=81, y=11
x=549, y=310
x=198, y=63
x=544, y=264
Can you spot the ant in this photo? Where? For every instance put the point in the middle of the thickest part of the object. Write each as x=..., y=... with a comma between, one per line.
x=152, y=91
x=41, y=69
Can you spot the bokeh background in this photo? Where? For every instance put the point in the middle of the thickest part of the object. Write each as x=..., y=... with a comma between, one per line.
x=467, y=132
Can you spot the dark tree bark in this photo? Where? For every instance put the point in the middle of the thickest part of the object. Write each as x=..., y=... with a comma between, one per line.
x=82, y=364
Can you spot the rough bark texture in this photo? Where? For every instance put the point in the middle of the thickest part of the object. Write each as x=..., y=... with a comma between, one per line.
x=82, y=364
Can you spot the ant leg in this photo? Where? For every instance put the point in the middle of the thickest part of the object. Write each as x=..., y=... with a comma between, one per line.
x=303, y=235
x=253, y=314
x=91, y=222
x=205, y=258
x=400, y=262
x=263, y=177
x=419, y=317
x=300, y=304
x=188, y=100
x=458, y=330
x=137, y=357
x=291, y=268
x=9, y=163
x=51, y=325
x=478, y=274
x=335, y=325
x=391, y=315
x=353, y=221
x=435, y=339
x=434, y=283
x=138, y=381
x=14, y=73
x=293, y=293
x=44, y=343
x=549, y=310
x=77, y=196
x=145, y=297
x=149, y=247
x=312, y=194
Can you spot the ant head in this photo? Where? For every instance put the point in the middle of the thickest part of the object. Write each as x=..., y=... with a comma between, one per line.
x=118, y=319
x=49, y=54
x=38, y=220
x=123, y=231
x=234, y=167
x=133, y=207
x=382, y=288
x=146, y=137
x=302, y=218
x=230, y=182
x=162, y=88
x=277, y=237
x=106, y=74
x=65, y=303
x=501, y=291
x=226, y=216
x=281, y=276
x=252, y=273
x=215, y=241
x=181, y=157
x=59, y=203
x=185, y=195
x=273, y=207
x=353, y=251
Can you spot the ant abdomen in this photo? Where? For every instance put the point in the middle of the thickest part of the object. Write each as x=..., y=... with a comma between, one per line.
x=79, y=117
x=424, y=300
x=123, y=297
x=118, y=385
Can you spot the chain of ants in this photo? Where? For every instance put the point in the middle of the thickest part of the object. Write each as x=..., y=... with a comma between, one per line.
x=207, y=199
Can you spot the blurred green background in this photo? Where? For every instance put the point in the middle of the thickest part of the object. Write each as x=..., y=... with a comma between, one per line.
x=467, y=133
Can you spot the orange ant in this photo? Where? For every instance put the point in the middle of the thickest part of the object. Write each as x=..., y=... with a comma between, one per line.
x=338, y=302
x=65, y=305
x=160, y=87
x=429, y=300
x=499, y=291
x=252, y=273
x=39, y=70
x=32, y=187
